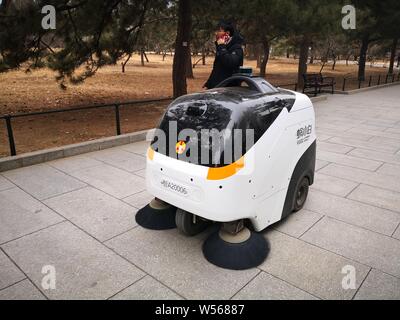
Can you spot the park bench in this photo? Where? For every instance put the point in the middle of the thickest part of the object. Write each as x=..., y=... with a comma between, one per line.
x=316, y=82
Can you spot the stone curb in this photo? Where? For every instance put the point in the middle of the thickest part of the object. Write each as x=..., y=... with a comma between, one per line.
x=28, y=159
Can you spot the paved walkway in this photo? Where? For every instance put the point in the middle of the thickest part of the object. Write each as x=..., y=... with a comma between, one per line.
x=75, y=217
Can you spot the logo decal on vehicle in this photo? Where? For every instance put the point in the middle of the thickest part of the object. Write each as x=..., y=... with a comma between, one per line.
x=180, y=147
x=303, y=134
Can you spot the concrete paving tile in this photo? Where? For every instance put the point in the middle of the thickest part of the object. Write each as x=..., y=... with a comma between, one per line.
x=353, y=212
x=120, y=158
x=367, y=247
x=348, y=160
x=43, y=181
x=314, y=270
x=393, y=130
x=333, y=126
x=320, y=164
x=362, y=176
x=147, y=289
x=323, y=137
x=97, y=213
x=386, y=140
x=21, y=214
x=364, y=144
x=85, y=269
x=371, y=127
x=397, y=233
x=382, y=122
x=333, y=147
x=330, y=184
x=378, y=197
x=137, y=147
x=139, y=200
x=390, y=169
x=297, y=223
x=113, y=181
x=178, y=262
x=379, y=286
x=267, y=287
x=337, y=119
x=71, y=164
x=141, y=173
x=383, y=134
x=5, y=184
x=23, y=290
x=375, y=155
x=336, y=133
x=9, y=273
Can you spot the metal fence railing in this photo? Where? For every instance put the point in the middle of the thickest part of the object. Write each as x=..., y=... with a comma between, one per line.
x=116, y=106
x=369, y=81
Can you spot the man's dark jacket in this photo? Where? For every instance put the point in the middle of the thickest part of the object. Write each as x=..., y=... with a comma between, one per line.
x=228, y=59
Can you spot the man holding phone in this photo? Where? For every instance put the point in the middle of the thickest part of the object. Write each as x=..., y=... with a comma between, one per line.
x=229, y=54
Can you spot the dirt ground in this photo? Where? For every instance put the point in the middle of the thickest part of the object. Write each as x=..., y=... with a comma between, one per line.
x=38, y=90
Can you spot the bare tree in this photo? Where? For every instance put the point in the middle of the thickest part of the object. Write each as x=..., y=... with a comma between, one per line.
x=182, y=49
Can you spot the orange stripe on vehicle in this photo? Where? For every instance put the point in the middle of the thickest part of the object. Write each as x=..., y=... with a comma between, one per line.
x=225, y=172
x=150, y=153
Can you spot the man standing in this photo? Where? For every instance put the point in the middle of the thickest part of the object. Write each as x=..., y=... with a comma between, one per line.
x=229, y=54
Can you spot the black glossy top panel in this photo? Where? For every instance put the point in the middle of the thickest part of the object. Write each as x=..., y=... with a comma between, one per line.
x=234, y=108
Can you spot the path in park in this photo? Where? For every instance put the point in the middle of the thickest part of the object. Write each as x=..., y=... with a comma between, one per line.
x=77, y=215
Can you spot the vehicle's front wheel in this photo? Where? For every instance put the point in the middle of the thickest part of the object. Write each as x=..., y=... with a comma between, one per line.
x=188, y=224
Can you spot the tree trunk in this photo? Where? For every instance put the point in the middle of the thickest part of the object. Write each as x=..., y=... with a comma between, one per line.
x=303, y=58
x=182, y=48
x=145, y=56
x=287, y=53
x=347, y=60
x=125, y=62
x=334, y=62
x=189, y=66
x=263, y=65
x=142, y=57
x=203, y=55
x=363, y=58
x=393, y=55
x=258, y=56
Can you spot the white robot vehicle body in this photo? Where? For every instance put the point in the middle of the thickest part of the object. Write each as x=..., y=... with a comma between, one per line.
x=263, y=183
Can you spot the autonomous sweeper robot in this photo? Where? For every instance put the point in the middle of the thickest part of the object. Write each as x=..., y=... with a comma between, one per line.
x=242, y=154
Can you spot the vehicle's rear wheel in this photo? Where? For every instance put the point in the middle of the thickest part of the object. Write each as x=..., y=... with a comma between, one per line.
x=301, y=194
x=188, y=224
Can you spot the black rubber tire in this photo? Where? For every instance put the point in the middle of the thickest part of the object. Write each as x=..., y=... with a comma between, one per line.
x=184, y=223
x=301, y=193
